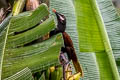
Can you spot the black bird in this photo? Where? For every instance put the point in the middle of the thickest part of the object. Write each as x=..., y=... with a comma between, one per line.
x=61, y=24
x=69, y=48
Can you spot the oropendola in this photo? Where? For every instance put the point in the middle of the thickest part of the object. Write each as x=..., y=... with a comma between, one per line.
x=69, y=48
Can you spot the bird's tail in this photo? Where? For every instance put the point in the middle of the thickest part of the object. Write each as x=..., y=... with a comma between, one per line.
x=78, y=67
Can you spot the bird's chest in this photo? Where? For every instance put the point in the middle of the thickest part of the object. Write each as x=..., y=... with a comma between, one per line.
x=67, y=40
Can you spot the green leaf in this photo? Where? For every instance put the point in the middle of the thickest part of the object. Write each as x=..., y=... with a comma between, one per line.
x=56, y=74
x=38, y=57
x=30, y=35
x=15, y=55
x=93, y=38
x=24, y=74
x=18, y=6
x=88, y=28
x=28, y=19
x=112, y=23
x=42, y=76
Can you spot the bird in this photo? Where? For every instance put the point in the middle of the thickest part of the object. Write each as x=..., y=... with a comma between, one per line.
x=68, y=44
x=61, y=24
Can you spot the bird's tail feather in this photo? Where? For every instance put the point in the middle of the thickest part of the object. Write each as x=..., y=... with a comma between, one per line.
x=78, y=67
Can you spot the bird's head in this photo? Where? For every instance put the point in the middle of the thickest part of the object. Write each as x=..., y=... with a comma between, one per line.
x=60, y=17
x=61, y=21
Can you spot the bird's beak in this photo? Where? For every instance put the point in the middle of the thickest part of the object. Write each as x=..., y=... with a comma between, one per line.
x=54, y=10
x=59, y=17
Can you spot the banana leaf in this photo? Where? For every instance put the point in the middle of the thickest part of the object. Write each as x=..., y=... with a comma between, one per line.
x=24, y=74
x=42, y=77
x=88, y=61
x=112, y=23
x=94, y=38
x=5, y=22
x=18, y=6
x=17, y=49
